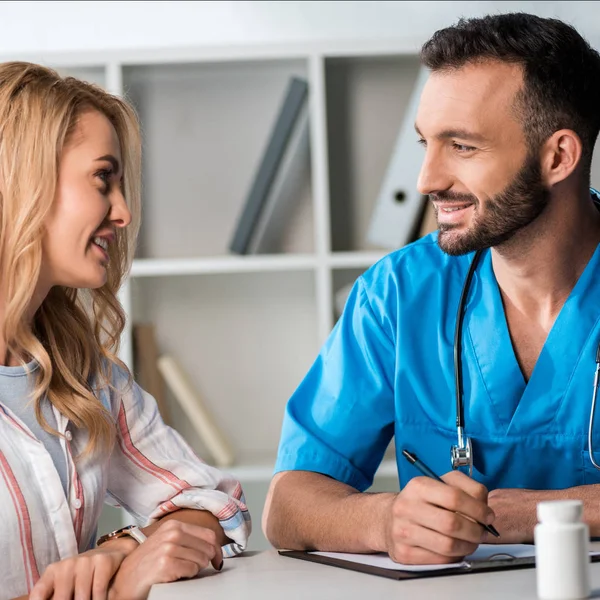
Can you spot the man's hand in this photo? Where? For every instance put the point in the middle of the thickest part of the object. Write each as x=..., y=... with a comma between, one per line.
x=85, y=577
x=431, y=522
x=516, y=517
x=174, y=551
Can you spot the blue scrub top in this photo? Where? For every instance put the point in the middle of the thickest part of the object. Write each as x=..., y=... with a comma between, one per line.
x=387, y=370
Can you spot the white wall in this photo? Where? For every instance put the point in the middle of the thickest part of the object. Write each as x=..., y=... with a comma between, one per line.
x=36, y=28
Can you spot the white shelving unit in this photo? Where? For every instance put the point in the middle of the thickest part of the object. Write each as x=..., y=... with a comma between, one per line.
x=246, y=328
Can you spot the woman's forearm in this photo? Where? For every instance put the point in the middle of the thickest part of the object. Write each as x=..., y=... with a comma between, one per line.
x=203, y=518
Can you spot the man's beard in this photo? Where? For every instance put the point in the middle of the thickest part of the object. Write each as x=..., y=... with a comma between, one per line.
x=521, y=202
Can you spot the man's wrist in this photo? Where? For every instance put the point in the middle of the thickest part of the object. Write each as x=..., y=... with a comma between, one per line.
x=380, y=507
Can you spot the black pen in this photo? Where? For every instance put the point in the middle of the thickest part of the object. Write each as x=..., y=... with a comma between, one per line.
x=419, y=464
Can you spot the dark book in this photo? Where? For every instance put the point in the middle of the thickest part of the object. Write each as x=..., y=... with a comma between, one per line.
x=288, y=131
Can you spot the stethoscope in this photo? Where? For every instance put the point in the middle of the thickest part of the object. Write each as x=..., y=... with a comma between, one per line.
x=461, y=454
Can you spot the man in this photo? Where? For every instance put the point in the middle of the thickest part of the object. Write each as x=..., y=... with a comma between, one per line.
x=509, y=117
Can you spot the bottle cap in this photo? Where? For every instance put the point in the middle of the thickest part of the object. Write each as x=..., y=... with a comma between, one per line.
x=560, y=511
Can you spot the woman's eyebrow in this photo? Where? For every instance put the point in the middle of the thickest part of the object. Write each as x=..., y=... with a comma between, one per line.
x=112, y=160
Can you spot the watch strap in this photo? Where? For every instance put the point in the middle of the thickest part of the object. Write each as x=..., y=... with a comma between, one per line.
x=131, y=530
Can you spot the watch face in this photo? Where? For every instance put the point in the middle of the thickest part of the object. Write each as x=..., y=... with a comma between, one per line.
x=113, y=535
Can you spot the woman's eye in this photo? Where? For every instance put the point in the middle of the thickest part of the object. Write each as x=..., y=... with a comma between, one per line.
x=105, y=176
x=421, y=142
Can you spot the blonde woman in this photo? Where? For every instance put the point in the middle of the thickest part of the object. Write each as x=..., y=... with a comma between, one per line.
x=74, y=428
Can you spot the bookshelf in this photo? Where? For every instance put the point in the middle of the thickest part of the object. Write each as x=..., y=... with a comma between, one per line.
x=246, y=328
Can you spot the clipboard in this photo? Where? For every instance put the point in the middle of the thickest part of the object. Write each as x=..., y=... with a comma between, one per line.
x=462, y=568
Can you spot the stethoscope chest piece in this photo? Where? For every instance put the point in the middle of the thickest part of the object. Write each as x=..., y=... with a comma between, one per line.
x=462, y=456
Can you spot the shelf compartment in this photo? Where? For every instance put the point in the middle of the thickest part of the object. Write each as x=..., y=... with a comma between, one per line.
x=244, y=340
x=366, y=101
x=205, y=127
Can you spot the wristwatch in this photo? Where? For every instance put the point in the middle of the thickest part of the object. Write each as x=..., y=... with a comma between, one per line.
x=131, y=530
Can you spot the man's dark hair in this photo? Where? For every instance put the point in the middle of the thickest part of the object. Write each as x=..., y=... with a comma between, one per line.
x=561, y=71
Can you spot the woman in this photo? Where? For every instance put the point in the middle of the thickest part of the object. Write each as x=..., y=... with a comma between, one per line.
x=74, y=428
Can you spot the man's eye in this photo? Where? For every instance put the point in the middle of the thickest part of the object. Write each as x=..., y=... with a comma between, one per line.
x=462, y=147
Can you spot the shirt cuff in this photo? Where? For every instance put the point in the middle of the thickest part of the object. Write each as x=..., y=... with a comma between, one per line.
x=232, y=513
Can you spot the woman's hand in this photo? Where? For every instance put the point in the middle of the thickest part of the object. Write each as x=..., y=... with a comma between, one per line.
x=174, y=551
x=84, y=577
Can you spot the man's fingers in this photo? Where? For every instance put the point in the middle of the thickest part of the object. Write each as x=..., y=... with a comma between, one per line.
x=448, y=523
x=438, y=522
x=452, y=498
x=468, y=485
x=415, y=555
x=412, y=534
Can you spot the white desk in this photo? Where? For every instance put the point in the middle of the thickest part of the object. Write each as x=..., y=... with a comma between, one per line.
x=268, y=576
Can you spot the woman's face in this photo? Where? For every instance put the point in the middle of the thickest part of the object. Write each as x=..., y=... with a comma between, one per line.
x=88, y=207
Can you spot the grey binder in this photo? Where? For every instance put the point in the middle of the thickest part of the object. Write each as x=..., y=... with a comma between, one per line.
x=399, y=203
x=288, y=120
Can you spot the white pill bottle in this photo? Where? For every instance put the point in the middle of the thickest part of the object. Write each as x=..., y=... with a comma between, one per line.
x=562, y=551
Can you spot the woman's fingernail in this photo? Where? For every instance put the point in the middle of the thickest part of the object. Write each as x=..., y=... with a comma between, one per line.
x=220, y=567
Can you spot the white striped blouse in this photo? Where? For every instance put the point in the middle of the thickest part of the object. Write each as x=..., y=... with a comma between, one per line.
x=150, y=473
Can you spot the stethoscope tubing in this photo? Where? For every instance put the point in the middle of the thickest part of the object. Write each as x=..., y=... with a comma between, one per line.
x=460, y=416
x=460, y=317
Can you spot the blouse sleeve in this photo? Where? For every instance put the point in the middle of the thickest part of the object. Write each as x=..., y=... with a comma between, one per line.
x=153, y=472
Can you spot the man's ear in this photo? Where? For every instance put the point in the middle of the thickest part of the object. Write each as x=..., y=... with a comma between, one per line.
x=560, y=156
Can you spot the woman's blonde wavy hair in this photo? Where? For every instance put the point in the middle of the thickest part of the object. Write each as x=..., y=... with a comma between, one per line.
x=74, y=336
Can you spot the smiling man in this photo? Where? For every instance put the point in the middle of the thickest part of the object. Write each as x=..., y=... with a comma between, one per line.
x=509, y=118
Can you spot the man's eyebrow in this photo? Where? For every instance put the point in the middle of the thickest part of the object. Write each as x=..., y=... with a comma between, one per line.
x=462, y=134
x=112, y=160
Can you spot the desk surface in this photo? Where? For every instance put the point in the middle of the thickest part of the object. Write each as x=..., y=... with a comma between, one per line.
x=268, y=576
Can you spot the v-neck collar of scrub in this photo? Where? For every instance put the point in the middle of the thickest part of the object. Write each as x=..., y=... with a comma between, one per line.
x=511, y=397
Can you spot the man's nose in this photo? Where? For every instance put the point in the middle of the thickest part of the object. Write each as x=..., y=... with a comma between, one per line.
x=434, y=175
